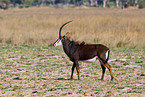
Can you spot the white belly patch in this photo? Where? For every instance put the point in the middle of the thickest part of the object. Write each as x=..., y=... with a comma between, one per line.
x=90, y=60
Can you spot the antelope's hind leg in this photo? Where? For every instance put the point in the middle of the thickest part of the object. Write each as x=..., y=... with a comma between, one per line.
x=103, y=69
x=109, y=67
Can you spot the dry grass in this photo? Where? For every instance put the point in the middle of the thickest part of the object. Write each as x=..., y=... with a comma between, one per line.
x=112, y=27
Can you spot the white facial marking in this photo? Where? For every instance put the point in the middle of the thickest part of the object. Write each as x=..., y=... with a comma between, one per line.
x=90, y=60
x=57, y=43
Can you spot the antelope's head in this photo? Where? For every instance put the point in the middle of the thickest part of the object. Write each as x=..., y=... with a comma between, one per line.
x=62, y=38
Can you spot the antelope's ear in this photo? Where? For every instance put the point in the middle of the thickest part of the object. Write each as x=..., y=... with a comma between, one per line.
x=67, y=34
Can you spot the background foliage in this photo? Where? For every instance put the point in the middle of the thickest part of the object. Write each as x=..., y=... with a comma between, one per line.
x=109, y=3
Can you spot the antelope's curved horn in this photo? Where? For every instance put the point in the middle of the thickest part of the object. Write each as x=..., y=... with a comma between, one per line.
x=62, y=27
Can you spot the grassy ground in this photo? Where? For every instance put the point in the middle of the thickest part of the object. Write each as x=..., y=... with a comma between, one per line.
x=112, y=27
x=45, y=71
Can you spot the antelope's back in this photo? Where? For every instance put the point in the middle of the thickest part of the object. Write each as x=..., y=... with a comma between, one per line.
x=89, y=51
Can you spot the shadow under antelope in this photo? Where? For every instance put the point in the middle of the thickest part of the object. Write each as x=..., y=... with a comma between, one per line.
x=84, y=52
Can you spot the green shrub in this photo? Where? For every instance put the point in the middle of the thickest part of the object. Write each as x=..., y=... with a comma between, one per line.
x=4, y=4
x=21, y=6
x=131, y=2
x=142, y=4
x=28, y=2
x=112, y=4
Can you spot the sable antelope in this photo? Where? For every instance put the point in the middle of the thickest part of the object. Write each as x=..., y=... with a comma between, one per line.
x=85, y=52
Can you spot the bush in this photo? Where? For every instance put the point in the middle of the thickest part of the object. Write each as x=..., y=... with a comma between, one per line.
x=4, y=4
x=131, y=2
x=142, y=4
x=112, y=4
x=21, y=6
x=28, y=2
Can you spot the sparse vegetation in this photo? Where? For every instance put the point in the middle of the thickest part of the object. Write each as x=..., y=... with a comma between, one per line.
x=45, y=71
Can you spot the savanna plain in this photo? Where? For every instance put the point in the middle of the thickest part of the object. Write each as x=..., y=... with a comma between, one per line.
x=30, y=66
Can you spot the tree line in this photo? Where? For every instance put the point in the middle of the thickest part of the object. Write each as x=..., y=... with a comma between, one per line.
x=4, y=4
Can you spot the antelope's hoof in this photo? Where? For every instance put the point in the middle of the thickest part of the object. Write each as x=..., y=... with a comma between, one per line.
x=101, y=79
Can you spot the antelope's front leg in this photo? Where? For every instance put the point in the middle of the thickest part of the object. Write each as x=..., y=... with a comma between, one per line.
x=73, y=67
x=78, y=71
x=103, y=71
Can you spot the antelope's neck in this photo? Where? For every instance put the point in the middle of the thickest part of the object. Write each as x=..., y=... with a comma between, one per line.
x=69, y=48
